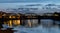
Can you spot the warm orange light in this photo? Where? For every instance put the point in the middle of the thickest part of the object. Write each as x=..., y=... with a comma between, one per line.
x=10, y=17
x=16, y=22
x=13, y=16
x=10, y=23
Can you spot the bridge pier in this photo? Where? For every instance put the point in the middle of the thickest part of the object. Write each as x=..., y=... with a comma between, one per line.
x=39, y=19
x=22, y=20
x=1, y=21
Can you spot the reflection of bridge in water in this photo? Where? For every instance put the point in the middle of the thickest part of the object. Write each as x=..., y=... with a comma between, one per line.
x=54, y=18
x=29, y=18
x=32, y=17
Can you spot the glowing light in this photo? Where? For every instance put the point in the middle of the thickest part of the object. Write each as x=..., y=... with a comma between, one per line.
x=10, y=17
x=56, y=15
x=10, y=23
x=16, y=22
x=13, y=16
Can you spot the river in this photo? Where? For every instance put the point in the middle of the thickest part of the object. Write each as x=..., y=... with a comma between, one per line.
x=32, y=26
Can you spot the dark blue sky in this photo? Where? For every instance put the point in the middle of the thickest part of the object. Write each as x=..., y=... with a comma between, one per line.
x=19, y=1
x=15, y=3
x=4, y=4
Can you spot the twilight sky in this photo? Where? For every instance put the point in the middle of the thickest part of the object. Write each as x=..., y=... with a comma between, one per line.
x=19, y=1
x=4, y=4
x=12, y=3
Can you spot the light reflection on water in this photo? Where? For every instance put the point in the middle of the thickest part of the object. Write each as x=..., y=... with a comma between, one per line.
x=45, y=26
x=10, y=23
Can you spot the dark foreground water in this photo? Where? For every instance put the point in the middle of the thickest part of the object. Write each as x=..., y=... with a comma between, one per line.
x=32, y=26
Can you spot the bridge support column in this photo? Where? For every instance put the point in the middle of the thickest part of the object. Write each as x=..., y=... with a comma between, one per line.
x=39, y=19
x=1, y=22
x=20, y=20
